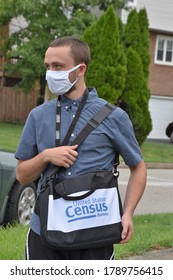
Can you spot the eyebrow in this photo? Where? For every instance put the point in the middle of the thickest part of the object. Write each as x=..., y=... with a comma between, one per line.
x=54, y=63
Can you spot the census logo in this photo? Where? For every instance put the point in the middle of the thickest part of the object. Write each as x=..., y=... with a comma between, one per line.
x=98, y=209
x=87, y=209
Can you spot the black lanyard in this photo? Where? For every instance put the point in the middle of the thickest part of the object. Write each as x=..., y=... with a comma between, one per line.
x=72, y=126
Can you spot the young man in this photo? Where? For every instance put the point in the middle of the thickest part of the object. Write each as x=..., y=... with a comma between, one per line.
x=66, y=61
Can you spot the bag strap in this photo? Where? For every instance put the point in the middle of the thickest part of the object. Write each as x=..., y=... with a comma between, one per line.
x=73, y=124
x=94, y=122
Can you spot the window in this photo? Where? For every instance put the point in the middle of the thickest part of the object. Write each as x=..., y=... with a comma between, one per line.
x=164, y=50
x=169, y=51
x=132, y=2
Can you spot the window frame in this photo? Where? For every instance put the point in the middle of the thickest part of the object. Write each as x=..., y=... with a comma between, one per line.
x=165, y=50
x=132, y=3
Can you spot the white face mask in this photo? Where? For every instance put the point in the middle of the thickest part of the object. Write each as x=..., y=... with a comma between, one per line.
x=58, y=81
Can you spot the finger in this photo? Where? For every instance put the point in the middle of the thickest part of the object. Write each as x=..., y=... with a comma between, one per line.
x=126, y=235
x=125, y=240
x=70, y=153
x=66, y=164
x=74, y=147
x=71, y=158
x=73, y=153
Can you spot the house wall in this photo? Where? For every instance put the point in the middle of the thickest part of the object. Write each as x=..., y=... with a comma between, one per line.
x=16, y=24
x=159, y=13
x=161, y=76
x=161, y=109
x=161, y=87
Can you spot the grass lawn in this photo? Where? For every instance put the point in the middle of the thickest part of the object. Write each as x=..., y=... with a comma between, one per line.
x=10, y=135
x=157, y=152
x=12, y=242
x=152, y=151
x=151, y=232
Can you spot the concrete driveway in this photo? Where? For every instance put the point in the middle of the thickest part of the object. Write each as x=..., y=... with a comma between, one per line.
x=158, y=195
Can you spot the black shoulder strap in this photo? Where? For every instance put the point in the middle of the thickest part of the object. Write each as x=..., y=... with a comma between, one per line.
x=93, y=123
x=90, y=126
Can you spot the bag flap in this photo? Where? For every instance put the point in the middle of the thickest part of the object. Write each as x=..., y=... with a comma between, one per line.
x=85, y=182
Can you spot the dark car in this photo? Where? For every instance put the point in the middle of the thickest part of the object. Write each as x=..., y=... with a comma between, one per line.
x=169, y=131
x=16, y=201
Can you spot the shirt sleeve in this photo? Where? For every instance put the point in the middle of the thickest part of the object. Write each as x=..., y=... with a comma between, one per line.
x=27, y=147
x=125, y=140
x=39, y=132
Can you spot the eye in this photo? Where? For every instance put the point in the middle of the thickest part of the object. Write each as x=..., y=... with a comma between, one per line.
x=57, y=67
x=47, y=67
x=53, y=66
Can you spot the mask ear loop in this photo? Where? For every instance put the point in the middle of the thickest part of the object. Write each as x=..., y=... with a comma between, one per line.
x=71, y=70
x=75, y=67
x=72, y=84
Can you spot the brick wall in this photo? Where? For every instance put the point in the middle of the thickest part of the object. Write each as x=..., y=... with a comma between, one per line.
x=161, y=76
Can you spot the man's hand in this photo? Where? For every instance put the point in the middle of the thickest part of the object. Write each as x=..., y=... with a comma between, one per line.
x=61, y=156
x=30, y=170
x=128, y=229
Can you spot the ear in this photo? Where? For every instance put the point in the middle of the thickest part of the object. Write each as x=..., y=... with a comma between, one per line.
x=82, y=70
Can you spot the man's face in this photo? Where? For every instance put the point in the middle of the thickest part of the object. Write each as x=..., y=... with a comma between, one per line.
x=59, y=59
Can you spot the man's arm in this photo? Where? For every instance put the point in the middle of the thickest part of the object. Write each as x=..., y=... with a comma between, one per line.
x=30, y=170
x=135, y=189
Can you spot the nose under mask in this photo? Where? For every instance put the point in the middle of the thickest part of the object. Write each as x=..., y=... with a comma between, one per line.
x=58, y=81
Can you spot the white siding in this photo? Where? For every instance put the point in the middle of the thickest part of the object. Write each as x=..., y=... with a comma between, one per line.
x=161, y=110
x=160, y=13
x=16, y=24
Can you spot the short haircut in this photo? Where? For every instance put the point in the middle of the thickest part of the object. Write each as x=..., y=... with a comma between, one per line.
x=80, y=50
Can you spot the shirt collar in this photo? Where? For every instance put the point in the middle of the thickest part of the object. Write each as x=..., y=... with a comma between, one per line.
x=67, y=102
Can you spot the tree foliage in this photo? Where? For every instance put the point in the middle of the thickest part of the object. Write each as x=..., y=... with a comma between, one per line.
x=132, y=31
x=136, y=94
x=46, y=20
x=103, y=5
x=115, y=81
x=108, y=65
x=144, y=50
